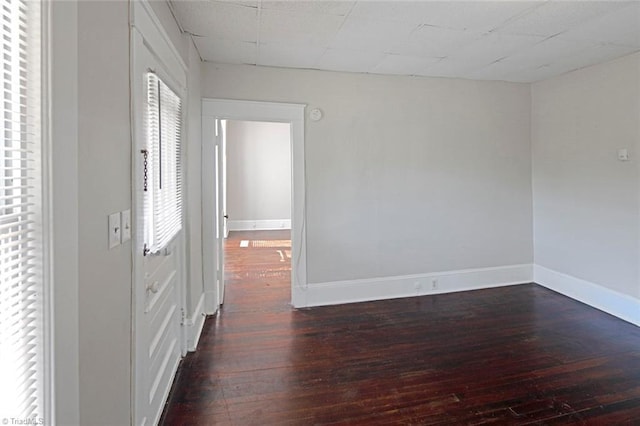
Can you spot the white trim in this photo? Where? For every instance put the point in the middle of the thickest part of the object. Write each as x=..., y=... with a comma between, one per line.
x=48, y=218
x=363, y=290
x=61, y=67
x=258, y=225
x=194, y=325
x=252, y=110
x=617, y=304
x=255, y=111
x=144, y=19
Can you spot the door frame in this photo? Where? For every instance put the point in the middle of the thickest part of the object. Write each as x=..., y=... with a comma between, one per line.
x=228, y=109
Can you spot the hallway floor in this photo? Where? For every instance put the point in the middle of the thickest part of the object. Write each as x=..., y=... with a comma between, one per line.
x=512, y=355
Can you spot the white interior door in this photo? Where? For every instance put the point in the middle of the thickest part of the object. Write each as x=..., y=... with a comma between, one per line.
x=223, y=169
x=158, y=278
x=221, y=215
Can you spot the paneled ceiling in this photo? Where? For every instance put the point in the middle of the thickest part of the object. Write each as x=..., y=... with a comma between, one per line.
x=520, y=41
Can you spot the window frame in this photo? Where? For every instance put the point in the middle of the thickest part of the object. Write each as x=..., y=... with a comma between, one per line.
x=160, y=226
x=40, y=63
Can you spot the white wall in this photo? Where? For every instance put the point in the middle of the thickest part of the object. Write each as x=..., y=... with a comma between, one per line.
x=586, y=202
x=193, y=181
x=258, y=171
x=64, y=197
x=404, y=175
x=104, y=175
x=165, y=16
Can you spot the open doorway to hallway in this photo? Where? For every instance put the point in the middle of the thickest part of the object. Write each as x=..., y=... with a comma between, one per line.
x=257, y=204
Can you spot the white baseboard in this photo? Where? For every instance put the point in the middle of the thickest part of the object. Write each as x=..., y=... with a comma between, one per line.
x=363, y=290
x=617, y=304
x=258, y=225
x=194, y=325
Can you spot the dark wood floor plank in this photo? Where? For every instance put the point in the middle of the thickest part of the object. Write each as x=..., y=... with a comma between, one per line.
x=513, y=355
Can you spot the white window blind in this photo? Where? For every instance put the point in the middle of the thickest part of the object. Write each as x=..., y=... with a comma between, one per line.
x=21, y=235
x=163, y=194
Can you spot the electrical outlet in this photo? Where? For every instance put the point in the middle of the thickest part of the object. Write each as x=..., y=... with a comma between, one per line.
x=434, y=284
x=416, y=285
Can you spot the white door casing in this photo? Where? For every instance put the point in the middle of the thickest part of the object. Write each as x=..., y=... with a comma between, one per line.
x=221, y=207
x=158, y=280
x=214, y=110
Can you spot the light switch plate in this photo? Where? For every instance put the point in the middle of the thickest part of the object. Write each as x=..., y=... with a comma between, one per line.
x=114, y=230
x=623, y=154
x=125, y=221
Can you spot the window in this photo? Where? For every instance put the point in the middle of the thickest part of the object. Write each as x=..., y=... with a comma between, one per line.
x=22, y=271
x=163, y=186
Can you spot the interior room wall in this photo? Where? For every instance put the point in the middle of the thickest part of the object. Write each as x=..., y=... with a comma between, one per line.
x=404, y=175
x=193, y=181
x=258, y=172
x=178, y=39
x=586, y=201
x=104, y=176
x=63, y=74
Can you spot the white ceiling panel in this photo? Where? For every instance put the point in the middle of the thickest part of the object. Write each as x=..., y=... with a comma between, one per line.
x=621, y=27
x=447, y=67
x=515, y=40
x=409, y=12
x=552, y=57
x=250, y=3
x=404, y=65
x=492, y=47
x=584, y=58
x=227, y=51
x=218, y=19
x=546, y=52
x=339, y=8
x=474, y=15
x=288, y=55
x=429, y=41
x=374, y=35
x=349, y=60
x=279, y=26
x=555, y=17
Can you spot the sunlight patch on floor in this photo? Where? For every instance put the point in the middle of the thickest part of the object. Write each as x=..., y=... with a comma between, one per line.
x=271, y=243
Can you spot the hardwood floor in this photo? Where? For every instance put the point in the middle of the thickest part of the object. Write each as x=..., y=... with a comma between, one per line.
x=514, y=355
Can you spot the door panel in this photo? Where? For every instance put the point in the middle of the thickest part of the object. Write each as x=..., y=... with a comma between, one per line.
x=223, y=171
x=158, y=278
x=210, y=215
x=220, y=203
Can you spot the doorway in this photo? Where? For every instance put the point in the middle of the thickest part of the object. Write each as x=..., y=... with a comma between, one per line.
x=256, y=202
x=214, y=111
